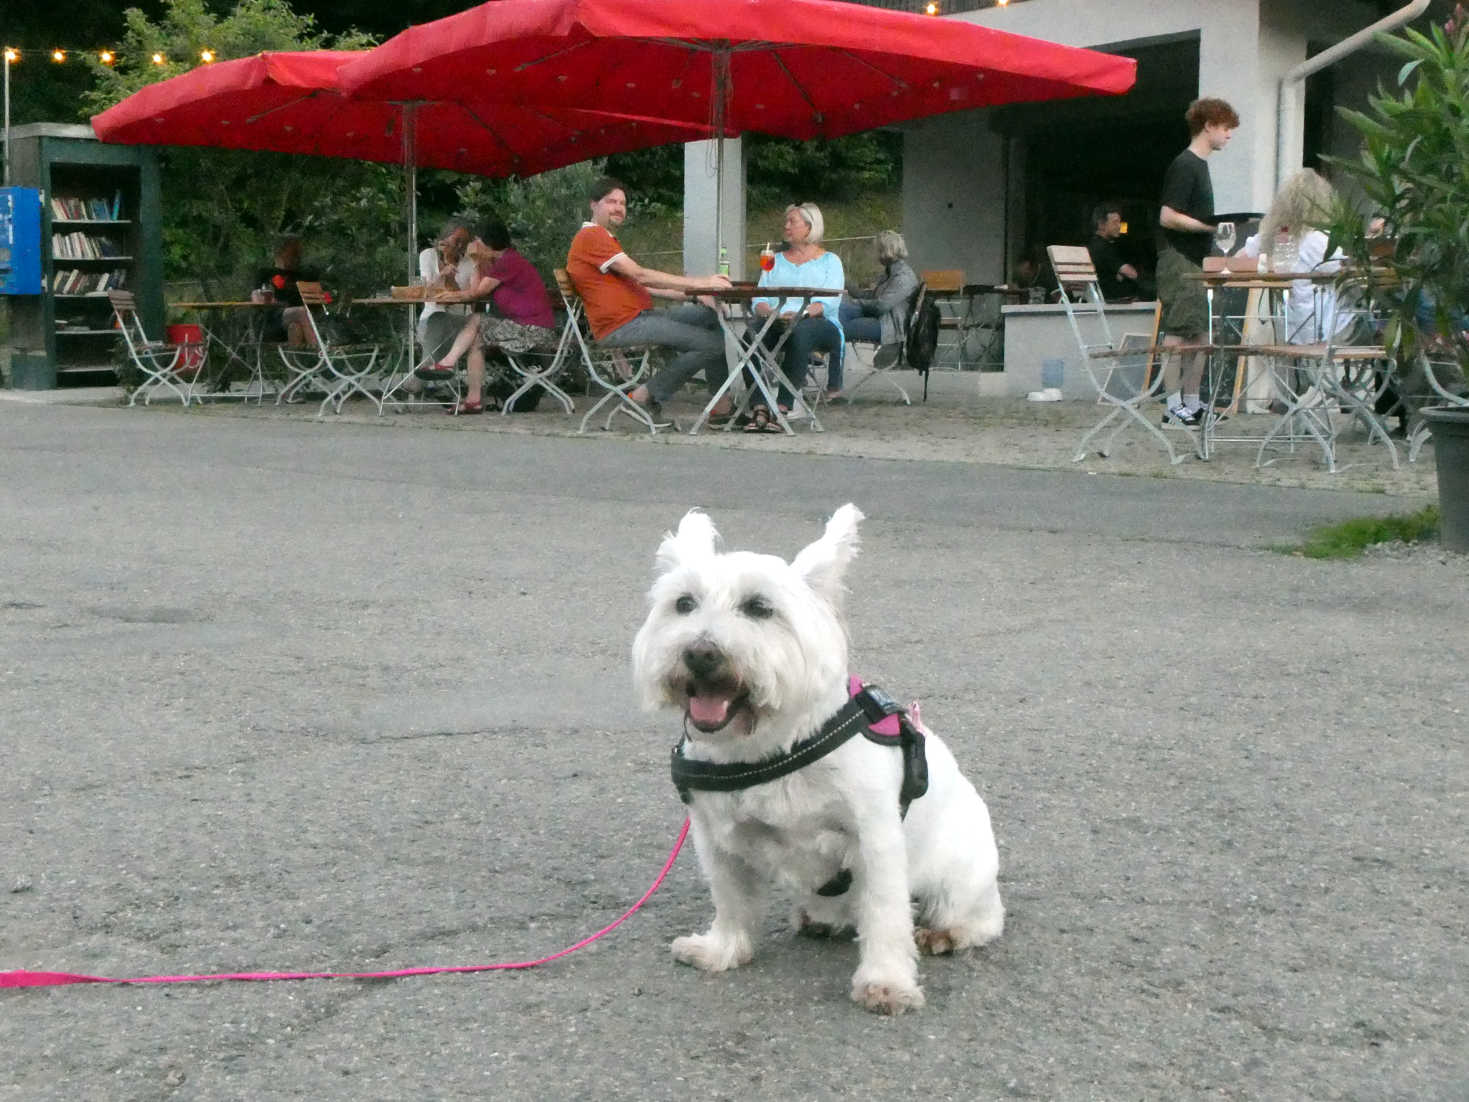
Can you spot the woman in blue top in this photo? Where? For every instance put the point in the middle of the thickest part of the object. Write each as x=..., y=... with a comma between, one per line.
x=804, y=263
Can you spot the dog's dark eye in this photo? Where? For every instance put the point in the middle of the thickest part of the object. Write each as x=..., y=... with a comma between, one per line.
x=757, y=608
x=685, y=604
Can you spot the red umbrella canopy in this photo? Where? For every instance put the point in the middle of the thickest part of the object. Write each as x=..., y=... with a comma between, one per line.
x=292, y=103
x=793, y=68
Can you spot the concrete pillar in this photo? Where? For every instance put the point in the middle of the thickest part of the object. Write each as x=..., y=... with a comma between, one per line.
x=700, y=254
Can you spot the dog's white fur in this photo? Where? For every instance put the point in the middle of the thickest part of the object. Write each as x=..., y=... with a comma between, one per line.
x=753, y=651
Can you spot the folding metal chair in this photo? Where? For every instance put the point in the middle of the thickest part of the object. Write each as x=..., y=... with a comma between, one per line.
x=336, y=367
x=540, y=368
x=1123, y=376
x=914, y=333
x=615, y=371
x=1434, y=382
x=173, y=367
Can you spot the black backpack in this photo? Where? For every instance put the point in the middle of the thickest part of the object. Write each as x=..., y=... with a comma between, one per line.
x=922, y=341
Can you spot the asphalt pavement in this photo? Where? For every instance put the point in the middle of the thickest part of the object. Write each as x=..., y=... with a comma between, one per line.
x=281, y=695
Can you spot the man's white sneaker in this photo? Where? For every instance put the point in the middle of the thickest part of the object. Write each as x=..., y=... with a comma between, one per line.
x=1181, y=415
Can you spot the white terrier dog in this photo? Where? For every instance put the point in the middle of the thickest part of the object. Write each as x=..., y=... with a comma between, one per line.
x=752, y=650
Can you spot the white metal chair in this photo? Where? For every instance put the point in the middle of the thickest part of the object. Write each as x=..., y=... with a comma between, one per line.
x=614, y=371
x=920, y=337
x=1429, y=384
x=172, y=367
x=1124, y=377
x=334, y=366
x=541, y=368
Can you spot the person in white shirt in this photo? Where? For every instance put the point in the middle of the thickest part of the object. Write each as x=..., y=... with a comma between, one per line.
x=1303, y=204
x=444, y=266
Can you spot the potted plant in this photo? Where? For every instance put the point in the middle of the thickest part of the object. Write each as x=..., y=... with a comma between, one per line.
x=1413, y=171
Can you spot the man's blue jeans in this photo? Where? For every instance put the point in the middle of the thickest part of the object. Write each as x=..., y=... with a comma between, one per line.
x=691, y=329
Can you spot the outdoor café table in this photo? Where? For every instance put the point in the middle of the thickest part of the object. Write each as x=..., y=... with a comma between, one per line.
x=1310, y=384
x=401, y=364
x=242, y=346
x=744, y=333
x=987, y=326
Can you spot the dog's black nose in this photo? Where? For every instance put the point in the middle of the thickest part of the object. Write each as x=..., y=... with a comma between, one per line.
x=703, y=659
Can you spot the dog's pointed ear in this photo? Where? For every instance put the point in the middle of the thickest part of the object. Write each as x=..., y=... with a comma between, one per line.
x=824, y=563
x=695, y=539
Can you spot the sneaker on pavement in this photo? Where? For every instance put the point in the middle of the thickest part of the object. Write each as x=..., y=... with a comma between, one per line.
x=1181, y=415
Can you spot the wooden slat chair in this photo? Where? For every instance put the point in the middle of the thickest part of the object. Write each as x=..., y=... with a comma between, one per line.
x=614, y=371
x=1124, y=374
x=945, y=286
x=173, y=367
x=336, y=367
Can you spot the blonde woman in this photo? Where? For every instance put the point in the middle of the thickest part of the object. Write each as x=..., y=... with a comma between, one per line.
x=804, y=263
x=1301, y=207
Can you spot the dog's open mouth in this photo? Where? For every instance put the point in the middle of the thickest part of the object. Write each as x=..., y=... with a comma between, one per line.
x=711, y=707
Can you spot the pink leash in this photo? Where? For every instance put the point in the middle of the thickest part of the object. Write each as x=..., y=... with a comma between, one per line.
x=24, y=978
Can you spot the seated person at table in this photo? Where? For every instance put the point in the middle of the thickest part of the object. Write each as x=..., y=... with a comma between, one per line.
x=444, y=266
x=522, y=320
x=882, y=317
x=615, y=290
x=1305, y=202
x=289, y=322
x=804, y=263
x=1118, y=280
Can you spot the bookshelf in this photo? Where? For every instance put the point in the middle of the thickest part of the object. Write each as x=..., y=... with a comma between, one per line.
x=99, y=232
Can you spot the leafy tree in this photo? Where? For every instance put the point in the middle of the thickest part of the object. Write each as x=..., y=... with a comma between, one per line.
x=1414, y=171
x=542, y=212
x=224, y=210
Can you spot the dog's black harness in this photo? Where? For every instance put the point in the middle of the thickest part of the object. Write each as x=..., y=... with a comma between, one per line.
x=869, y=711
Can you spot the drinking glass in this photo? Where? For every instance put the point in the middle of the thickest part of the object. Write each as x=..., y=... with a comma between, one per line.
x=1224, y=237
x=767, y=259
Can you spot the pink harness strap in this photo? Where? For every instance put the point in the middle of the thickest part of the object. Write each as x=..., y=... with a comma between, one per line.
x=23, y=978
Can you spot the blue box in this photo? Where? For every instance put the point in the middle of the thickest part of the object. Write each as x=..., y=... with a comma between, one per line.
x=20, y=241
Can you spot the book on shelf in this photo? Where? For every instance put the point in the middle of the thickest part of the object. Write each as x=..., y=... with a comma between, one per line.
x=75, y=281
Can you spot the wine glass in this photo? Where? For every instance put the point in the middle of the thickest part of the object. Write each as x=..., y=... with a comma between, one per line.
x=1224, y=237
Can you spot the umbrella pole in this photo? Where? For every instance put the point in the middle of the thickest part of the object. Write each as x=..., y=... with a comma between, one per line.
x=410, y=177
x=721, y=90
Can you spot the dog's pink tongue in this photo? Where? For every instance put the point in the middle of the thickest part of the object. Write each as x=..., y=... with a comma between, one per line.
x=708, y=710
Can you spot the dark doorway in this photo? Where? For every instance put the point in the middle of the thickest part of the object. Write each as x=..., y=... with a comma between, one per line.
x=1082, y=152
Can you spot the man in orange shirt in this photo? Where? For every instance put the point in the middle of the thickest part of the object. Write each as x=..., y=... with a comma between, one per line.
x=616, y=292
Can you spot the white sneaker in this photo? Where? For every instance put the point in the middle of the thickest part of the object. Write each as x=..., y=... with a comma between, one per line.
x=1181, y=415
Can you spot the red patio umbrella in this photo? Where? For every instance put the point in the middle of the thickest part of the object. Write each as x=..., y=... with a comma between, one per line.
x=291, y=102
x=793, y=68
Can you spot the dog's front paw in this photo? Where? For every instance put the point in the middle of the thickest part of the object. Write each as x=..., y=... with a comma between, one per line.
x=711, y=953
x=886, y=996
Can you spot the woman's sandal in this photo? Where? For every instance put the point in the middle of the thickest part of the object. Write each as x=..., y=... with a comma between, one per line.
x=759, y=418
x=429, y=372
x=761, y=421
x=466, y=409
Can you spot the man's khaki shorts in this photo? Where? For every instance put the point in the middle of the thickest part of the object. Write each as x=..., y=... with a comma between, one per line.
x=1185, y=303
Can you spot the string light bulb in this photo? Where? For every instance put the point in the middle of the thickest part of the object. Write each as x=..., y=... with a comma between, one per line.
x=12, y=55
x=931, y=7
x=58, y=56
x=107, y=57
x=206, y=55
x=159, y=59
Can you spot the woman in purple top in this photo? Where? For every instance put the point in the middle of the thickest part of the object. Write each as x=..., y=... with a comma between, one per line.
x=523, y=318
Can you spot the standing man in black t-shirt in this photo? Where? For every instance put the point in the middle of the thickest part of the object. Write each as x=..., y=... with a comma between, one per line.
x=1187, y=220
